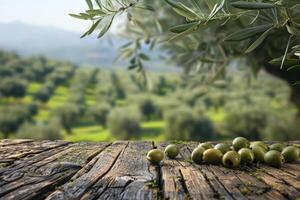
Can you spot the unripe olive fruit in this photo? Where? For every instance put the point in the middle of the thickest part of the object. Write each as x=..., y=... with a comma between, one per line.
x=247, y=156
x=290, y=153
x=259, y=154
x=274, y=158
x=155, y=156
x=278, y=147
x=259, y=143
x=240, y=142
x=231, y=159
x=223, y=147
x=197, y=155
x=172, y=151
x=206, y=145
x=212, y=156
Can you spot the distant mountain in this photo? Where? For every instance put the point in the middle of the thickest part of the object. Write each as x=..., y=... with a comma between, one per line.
x=57, y=43
x=27, y=40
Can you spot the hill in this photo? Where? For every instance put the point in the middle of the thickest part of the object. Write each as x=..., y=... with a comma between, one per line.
x=57, y=43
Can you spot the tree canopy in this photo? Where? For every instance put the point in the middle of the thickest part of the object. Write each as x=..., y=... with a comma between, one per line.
x=205, y=37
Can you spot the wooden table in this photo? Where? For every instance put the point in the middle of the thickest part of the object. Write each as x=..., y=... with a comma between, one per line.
x=119, y=170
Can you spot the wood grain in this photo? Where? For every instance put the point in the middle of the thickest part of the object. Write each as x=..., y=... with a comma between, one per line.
x=59, y=170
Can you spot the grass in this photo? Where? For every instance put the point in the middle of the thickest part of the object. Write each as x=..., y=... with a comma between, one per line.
x=58, y=98
x=89, y=133
x=33, y=87
x=151, y=131
x=216, y=115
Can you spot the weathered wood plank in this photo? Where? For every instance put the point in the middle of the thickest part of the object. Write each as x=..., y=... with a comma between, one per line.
x=80, y=184
x=61, y=170
x=132, y=176
x=7, y=142
x=11, y=153
x=30, y=181
x=217, y=186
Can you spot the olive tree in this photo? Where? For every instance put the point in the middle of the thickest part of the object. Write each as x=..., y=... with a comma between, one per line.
x=68, y=115
x=205, y=37
x=12, y=87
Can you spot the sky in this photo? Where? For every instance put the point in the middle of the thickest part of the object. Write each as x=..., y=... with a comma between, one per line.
x=44, y=12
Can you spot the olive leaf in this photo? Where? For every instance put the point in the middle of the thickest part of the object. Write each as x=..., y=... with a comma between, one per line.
x=182, y=27
x=252, y=5
x=247, y=33
x=96, y=12
x=106, y=26
x=144, y=6
x=90, y=4
x=288, y=62
x=144, y=56
x=286, y=51
x=183, y=10
x=294, y=67
x=93, y=27
x=80, y=16
x=215, y=10
x=257, y=42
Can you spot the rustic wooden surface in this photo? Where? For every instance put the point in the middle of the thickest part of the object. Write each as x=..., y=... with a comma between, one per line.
x=119, y=170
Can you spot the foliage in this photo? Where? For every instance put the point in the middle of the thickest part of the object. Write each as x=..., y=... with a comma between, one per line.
x=183, y=124
x=68, y=115
x=281, y=126
x=100, y=112
x=12, y=87
x=204, y=36
x=245, y=120
x=124, y=122
x=40, y=131
x=11, y=117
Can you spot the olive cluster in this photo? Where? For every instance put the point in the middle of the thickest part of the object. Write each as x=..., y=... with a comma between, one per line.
x=239, y=152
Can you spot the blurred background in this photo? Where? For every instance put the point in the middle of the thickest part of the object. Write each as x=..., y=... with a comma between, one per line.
x=54, y=85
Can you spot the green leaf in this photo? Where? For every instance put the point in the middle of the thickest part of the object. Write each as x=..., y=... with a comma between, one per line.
x=90, y=4
x=182, y=27
x=215, y=10
x=286, y=51
x=183, y=10
x=294, y=67
x=145, y=7
x=131, y=67
x=144, y=56
x=247, y=33
x=196, y=4
x=79, y=16
x=99, y=3
x=252, y=5
x=288, y=62
x=91, y=30
x=106, y=27
x=96, y=12
x=257, y=42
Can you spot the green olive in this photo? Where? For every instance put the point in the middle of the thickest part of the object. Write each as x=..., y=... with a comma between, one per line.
x=277, y=146
x=206, y=145
x=247, y=156
x=274, y=158
x=155, y=156
x=259, y=154
x=240, y=142
x=290, y=154
x=197, y=155
x=223, y=147
x=231, y=159
x=212, y=156
x=172, y=151
x=259, y=143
